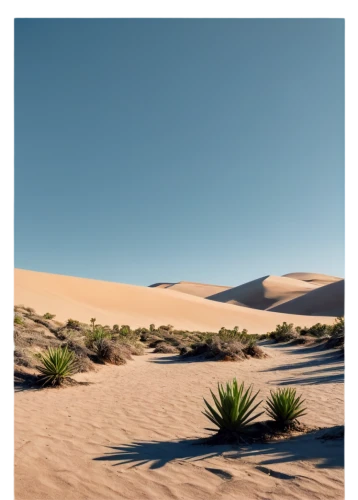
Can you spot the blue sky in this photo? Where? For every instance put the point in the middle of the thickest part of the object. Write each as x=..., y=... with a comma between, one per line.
x=166, y=150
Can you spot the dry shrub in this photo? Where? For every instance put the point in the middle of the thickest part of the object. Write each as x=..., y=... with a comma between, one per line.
x=254, y=351
x=83, y=364
x=165, y=348
x=112, y=352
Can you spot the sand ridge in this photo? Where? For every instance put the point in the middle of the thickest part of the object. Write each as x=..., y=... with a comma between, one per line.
x=265, y=292
x=116, y=303
x=325, y=300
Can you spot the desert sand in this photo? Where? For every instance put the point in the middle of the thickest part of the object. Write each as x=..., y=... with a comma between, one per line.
x=314, y=278
x=265, y=292
x=140, y=306
x=130, y=433
x=326, y=300
x=275, y=293
x=197, y=289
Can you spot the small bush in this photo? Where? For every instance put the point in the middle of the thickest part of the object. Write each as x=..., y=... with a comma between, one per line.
x=73, y=324
x=115, y=328
x=18, y=320
x=97, y=334
x=152, y=328
x=57, y=365
x=234, y=408
x=125, y=330
x=283, y=333
x=166, y=348
x=284, y=407
x=108, y=351
x=49, y=316
x=30, y=310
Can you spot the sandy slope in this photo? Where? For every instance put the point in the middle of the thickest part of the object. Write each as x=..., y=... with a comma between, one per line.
x=314, y=278
x=265, y=292
x=324, y=301
x=137, y=306
x=129, y=434
x=198, y=289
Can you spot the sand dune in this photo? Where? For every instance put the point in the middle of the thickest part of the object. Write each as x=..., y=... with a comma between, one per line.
x=161, y=285
x=265, y=292
x=324, y=301
x=197, y=289
x=137, y=306
x=314, y=278
x=128, y=435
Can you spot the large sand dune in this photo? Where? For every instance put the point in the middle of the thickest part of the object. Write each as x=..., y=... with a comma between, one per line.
x=137, y=306
x=314, y=278
x=197, y=289
x=326, y=300
x=265, y=292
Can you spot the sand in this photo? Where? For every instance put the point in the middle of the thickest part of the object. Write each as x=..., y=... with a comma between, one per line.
x=314, y=278
x=265, y=292
x=115, y=303
x=197, y=289
x=129, y=434
x=326, y=300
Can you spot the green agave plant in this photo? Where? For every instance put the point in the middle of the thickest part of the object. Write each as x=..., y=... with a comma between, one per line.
x=57, y=364
x=233, y=408
x=284, y=407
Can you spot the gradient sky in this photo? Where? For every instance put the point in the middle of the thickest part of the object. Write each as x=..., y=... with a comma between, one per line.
x=166, y=150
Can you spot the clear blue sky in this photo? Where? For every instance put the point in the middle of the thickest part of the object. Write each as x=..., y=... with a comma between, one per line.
x=165, y=150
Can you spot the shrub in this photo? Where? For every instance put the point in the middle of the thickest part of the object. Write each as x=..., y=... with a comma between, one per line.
x=57, y=365
x=30, y=310
x=18, y=320
x=108, y=351
x=49, y=316
x=234, y=408
x=284, y=407
x=254, y=351
x=97, y=334
x=73, y=324
x=152, y=328
x=125, y=330
x=165, y=348
x=317, y=330
x=339, y=326
x=283, y=333
x=115, y=328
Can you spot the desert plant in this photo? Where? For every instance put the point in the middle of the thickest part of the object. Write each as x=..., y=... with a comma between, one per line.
x=115, y=328
x=125, y=330
x=93, y=321
x=57, y=365
x=18, y=320
x=73, y=324
x=152, y=327
x=284, y=407
x=283, y=332
x=49, y=316
x=233, y=408
x=97, y=334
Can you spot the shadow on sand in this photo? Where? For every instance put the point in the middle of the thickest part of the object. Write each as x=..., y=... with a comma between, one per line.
x=323, y=361
x=308, y=447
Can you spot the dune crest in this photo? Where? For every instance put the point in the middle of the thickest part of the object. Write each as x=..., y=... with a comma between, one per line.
x=137, y=306
x=323, y=301
x=265, y=292
x=314, y=278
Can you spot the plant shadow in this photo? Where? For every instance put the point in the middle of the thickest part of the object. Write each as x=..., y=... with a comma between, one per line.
x=324, y=448
x=159, y=453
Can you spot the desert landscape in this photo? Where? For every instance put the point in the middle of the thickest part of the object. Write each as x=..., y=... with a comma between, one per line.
x=126, y=421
